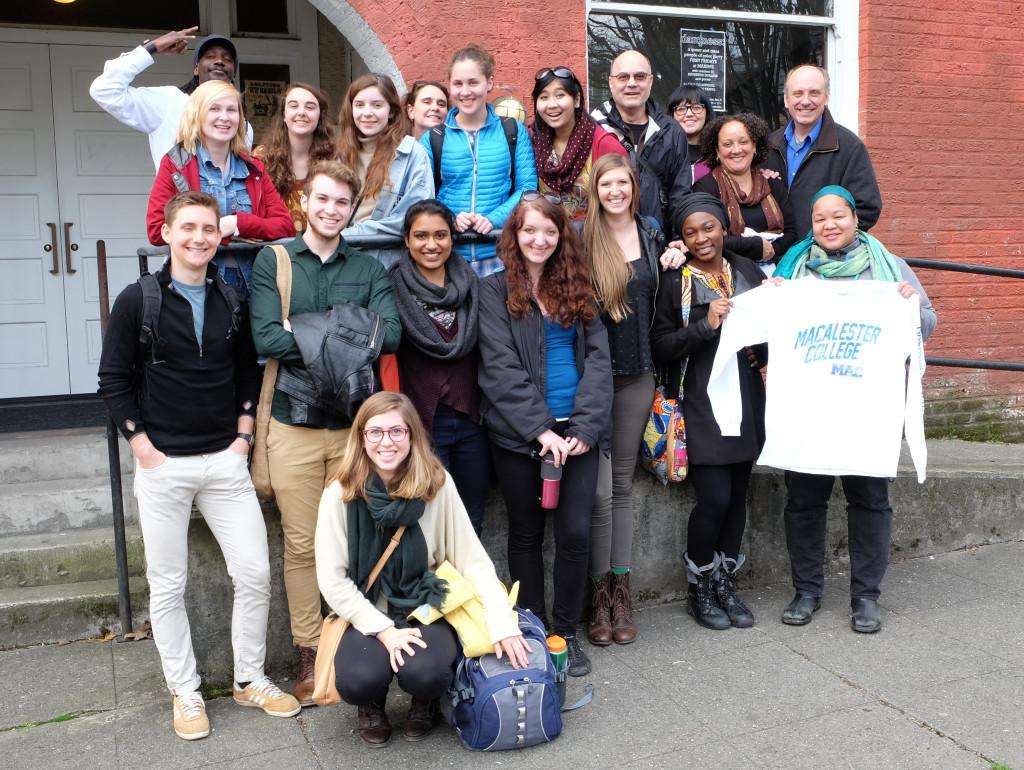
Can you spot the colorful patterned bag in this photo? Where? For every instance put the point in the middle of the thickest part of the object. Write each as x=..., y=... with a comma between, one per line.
x=663, y=448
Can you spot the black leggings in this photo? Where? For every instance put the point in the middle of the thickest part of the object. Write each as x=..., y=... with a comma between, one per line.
x=720, y=515
x=519, y=478
x=362, y=666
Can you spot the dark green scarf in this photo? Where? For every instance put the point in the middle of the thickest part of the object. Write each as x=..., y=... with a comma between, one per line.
x=405, y=579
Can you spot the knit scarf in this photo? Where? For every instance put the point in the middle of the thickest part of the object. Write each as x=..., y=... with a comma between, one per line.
x=560, y=175
x=405, y=579
x=807, y=258
x=412, y=291
x=734, y=198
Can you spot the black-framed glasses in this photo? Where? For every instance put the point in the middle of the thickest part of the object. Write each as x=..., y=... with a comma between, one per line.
x=376, y=435
x=558, y=72
x=683, y=107
x=639, y=77
x=532, y=195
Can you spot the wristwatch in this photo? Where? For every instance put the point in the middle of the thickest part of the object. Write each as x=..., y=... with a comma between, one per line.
x=248, y=437
x=150, y=46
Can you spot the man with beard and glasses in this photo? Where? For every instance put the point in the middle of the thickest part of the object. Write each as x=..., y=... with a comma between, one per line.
x=156, y=110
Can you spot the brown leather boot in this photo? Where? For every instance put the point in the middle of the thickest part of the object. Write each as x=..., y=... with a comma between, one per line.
x=373, y=726
x=623, y=629
x=422, y=717
x=304, y=682
x=599, y=629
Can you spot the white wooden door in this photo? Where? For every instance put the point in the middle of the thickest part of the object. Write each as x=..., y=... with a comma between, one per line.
x=105, y=174
x=33, y=331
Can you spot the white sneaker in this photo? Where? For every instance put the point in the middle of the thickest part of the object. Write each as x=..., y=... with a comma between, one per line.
x=190, y=720
x=264, y=694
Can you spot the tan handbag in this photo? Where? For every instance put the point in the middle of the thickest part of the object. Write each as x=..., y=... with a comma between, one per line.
x=259, y=468
x=325, y=691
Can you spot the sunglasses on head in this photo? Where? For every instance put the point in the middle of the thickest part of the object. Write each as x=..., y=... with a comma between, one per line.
x=558, y=72
x=533, y=195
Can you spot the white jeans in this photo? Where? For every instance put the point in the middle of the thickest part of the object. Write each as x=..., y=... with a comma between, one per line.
x=220, y=486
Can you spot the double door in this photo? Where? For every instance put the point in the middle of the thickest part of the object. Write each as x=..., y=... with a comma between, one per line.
x=70, y=175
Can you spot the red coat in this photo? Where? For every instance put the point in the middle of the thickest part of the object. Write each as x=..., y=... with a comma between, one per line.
x=269, y=220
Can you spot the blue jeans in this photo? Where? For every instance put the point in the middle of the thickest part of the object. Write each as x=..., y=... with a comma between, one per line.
x=239, y=277
x=464, y=450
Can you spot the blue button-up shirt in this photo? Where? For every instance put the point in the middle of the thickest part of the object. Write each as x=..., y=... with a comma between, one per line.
x=229, y=190
x=797, y=152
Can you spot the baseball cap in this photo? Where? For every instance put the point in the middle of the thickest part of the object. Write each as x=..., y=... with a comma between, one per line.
x=220, y=40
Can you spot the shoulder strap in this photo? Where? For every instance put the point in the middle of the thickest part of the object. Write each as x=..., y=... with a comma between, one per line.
x=511, y=128
x=179, y=157
x=436, y=145
x=284, y=278
x=232, y=300
x=375, y=573
x=151, y=301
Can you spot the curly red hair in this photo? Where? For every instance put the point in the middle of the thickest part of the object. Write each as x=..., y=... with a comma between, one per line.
x=565, y=287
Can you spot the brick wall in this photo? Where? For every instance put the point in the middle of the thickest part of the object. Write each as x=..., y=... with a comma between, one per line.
x=942, y=112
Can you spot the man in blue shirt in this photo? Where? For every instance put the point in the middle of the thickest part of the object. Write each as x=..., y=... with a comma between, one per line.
x=813, y=151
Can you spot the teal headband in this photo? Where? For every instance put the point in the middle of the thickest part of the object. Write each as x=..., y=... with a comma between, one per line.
x=835, y=189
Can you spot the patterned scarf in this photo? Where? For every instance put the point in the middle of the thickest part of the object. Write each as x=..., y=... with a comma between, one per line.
x=721, y=284
x=808, y=258
x=559, y=175
x=734, y=198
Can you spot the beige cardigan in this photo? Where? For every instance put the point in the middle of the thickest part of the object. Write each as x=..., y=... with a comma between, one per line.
x=449, y=535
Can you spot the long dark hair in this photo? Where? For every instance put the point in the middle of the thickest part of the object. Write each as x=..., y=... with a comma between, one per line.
x=565, y=287
x=390, y=138
x=277, y=150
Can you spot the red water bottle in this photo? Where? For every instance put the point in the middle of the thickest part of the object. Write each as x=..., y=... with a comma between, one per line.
x=550, y=481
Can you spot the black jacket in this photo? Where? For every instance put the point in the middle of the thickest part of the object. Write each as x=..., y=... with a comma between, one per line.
x=663, y=164
x=513, y=371
x=838, y=157
x=189, y=400
x=751, y=246
x=671, y=342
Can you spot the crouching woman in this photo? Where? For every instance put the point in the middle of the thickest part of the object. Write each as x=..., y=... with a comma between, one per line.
x=390, y=478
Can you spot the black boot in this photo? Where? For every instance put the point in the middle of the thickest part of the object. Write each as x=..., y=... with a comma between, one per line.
x=866, y=617
x=579, y=663
x=725, y=592
x=373, y=725
x=701, y=602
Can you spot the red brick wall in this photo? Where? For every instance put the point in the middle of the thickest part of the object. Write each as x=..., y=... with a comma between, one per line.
x=942, y=113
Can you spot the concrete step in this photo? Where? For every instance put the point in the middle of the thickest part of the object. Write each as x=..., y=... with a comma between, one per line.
x=71, y=556
x=44, y=614
x=57, y=454
x=61, y=504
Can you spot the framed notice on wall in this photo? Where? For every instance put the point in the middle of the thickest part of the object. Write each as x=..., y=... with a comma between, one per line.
x=702, y=63
x=262, y=84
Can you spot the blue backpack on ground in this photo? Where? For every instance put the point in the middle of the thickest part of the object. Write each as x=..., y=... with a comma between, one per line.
x=493, y=706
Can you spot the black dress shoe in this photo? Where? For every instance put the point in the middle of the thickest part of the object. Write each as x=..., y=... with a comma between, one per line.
x=799, y=611
x=867, y=615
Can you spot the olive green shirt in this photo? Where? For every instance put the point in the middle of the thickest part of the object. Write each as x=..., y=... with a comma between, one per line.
x=348, y=276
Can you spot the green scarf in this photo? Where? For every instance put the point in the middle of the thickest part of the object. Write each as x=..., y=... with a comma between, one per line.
x=807, y=257
x=405, y=579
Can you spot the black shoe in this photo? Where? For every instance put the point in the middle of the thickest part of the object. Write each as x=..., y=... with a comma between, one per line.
x=579, y=663
x=739, y=614
x=701, y=603
x=799, y=611
x=867, y=615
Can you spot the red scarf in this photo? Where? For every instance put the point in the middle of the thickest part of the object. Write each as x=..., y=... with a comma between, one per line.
x=733, y=198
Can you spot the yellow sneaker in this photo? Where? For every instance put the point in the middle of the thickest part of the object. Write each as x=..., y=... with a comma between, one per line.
x=190, y=721
x=264, y=694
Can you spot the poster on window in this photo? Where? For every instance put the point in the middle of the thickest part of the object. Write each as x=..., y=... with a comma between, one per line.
x=702, y=63
x=262, y=84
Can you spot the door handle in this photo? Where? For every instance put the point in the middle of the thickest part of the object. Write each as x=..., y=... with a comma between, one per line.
x=68, y=248
x=53, y=248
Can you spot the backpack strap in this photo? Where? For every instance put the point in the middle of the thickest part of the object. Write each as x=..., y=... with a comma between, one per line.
x=511, y=128
x=232, y=300
x=179, y=157
x=436, y=145
x=151, y=302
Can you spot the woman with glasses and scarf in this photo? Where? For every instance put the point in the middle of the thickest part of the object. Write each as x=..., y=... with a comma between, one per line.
x=390, y=478
x=566, y=140
x=547, y=383
x=438, y=301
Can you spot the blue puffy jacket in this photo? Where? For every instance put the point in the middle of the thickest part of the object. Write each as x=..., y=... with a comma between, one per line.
x=475, y=177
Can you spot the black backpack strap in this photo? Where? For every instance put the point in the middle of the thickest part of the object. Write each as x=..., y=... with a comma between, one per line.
x=179, y=157
x=511, y=128
x=436, y=145
x=151, y=302
x=232, y=300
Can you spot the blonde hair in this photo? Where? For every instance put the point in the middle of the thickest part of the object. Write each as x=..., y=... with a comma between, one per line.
x=611, y=271
x=419, y=477
x=190, y=127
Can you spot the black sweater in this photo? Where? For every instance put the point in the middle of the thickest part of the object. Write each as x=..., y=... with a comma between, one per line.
x=188, y=401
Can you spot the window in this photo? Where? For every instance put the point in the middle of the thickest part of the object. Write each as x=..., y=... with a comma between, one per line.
x=763, y=39
x=109, y=14
x=269, y=17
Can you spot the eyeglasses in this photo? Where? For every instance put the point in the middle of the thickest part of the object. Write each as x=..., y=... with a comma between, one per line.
x=639, y=77
x=376, y=435
x=683, y=107
x=533, y=195
x=558, y=72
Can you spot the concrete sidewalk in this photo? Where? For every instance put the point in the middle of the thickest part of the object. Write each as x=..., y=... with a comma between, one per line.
x=942, y=686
